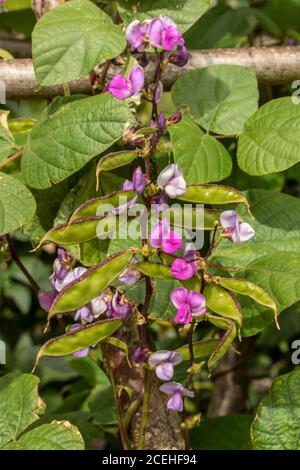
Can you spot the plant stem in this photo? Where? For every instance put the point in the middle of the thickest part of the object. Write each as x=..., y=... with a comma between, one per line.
x=122, y=431
x=19, y=263
x=11, y=159
x=145, y=410
x=213, y=243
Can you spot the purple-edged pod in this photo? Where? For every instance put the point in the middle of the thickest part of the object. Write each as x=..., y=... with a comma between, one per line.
x=225, y=341
x=78, y=339
x=88, y=286
x=213, y=194
x=115, y=160
x=91, y=207
x=223, y=302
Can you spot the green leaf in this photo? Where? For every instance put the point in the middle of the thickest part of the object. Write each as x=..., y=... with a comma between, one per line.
x=270, y=141
x=14, y=5
x=58, y=435
x=17, y=205
x=63, y=142
x=213, y=194
x=202, y=349
x=222, y=433
x=90, y=284
x=7, y=141
x=74, y=341
x=91, y=207
x=221, y=97
x=184, y=12
x=71, y=39
x=220, y=301
x=20, y=405
x=118, y=343
x=202, y=158
x=276, y=425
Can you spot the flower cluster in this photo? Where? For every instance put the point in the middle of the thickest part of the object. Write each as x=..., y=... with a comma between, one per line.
x=161, y=34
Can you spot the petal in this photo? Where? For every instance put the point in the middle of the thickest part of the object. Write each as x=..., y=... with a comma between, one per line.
x=184, y=315
x=175, y=403
x=46, y=299
x=171, y=243
x=137, y=79
x=187, y=393
x=138, y=180
x=179, y=296
x=167, y=174
x=134, y=34
x=229, y=219
x=120, y=87
x=245, y=233
x=175, y=358
x=155, y=32
x=128, y=185
x=166, y=21
x=84, y=315
x=82, y=353
x=159, y=357
x=182, y=270
x=195, y=299
x=70, y=277
x=170, y=388
x=176, y=187
x=165, y=371
x=98, y=306
x=158, y=92
x=170, y=38
x=156, y=235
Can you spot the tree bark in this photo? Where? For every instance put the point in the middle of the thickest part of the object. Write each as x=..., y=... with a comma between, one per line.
x=275, y=65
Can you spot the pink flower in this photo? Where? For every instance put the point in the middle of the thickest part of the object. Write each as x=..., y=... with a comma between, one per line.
x=120, y=87
x=189, y=303
x=238, y=231
x=136, y=35
x=138, y=182
x=171, y=180
x=182, y=270
x=164, y=33
x=177, y=391
x=179, y=57
x=162, y=237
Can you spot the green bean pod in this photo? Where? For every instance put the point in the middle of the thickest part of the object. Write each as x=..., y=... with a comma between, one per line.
x=222, y=302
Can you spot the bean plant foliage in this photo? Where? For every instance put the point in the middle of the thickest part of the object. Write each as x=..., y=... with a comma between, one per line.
x=172, y=241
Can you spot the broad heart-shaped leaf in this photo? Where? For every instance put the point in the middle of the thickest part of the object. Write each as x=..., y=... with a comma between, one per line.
x=90, y=284
x=221, y=97
x=202, y=158
x=201, y=349
x=270, y=141
x=7, y=142
x=63, y=142
x=20, y=405
x=17, y=205
x=276, y=425
x=223, y=433
x=213, y=194
x=79, y=339
x=184, y=12
x=71, y=39
x=58, y=435
x=220, y=301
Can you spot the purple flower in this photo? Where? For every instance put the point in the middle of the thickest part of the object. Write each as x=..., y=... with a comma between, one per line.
x=171, y=180
x=179, y=57
x=190, y=254
x=82, y=352
x=164, y=361
x=178, y=392
x=136, y=35
x=130, y=276
x=162, y=236
x=189, y=303
x=160, y=202
x=121, y=87
x=71, y=276
x=158, y=92
x=84, y=315
x=138, y=182
x=235, y=229
x=139, y=355
x=119, y=308
x=162, y=122
x=164, y=33
x=46, y=299
x=182, y=270
x=98, y=306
